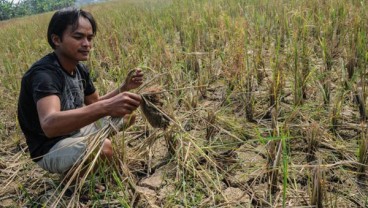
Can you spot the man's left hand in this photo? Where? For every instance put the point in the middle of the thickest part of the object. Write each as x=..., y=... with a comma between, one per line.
x=133, y=80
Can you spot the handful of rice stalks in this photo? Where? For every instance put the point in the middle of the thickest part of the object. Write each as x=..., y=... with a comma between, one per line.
x=151, y=107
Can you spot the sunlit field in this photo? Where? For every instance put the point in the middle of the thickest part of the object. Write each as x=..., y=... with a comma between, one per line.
x=265, y=99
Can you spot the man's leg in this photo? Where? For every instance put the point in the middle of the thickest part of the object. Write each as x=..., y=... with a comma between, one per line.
x=69, y=151
x=64, y=154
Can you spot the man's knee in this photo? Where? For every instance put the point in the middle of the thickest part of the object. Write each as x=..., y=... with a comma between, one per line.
x=128, y=120
x=107, y=149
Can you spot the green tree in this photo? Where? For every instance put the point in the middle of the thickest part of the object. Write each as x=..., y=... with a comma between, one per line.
x=6, y=10
x=27, y=7
x=39, y=6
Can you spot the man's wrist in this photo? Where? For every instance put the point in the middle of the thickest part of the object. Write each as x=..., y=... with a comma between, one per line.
x=123, y=88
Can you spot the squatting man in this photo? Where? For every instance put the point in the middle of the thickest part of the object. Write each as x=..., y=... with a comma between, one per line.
x=58, y=103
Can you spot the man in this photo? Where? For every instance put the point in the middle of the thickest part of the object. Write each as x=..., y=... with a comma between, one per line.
x=58, y=103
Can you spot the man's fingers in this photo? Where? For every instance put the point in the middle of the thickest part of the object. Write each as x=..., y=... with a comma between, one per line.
x=138, y=76
x=132, y=99
x=137, y=79
x=132, y=105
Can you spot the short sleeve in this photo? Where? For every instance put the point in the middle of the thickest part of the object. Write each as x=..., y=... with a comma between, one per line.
x=44, y=83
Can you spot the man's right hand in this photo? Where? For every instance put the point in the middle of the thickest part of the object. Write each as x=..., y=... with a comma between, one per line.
x=123, y=104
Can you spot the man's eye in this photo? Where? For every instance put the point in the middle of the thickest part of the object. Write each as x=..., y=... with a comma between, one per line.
x=78, y=37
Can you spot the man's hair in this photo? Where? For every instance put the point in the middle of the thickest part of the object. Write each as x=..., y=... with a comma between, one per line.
x=65, y=17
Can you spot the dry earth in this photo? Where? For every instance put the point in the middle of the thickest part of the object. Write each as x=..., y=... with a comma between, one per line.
x=241, y=161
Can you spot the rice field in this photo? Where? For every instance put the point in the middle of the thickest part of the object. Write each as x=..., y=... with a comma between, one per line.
x=265, y=102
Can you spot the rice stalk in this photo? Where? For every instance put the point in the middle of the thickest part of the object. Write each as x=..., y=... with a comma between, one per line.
x=336, y=109
x=191, y=165
x=249, y=99
x=361, y=105
x=191, y=100
x=274, y=156
x=297, y=78
x=285, y=162
x=362, y=91
x=141, y=148
x=363, y=155
x=190, y=161
x=318, y=192
x=325, y=73
x=93, y=151
x=313, y=134
x=171, y=141
x=210, y=128
x=190, y=156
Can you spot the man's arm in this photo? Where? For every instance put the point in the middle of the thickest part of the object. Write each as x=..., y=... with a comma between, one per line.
x=55, y=122
x=95, y=98
x=132, y=81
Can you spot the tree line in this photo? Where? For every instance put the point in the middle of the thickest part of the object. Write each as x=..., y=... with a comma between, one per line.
x=10, y=9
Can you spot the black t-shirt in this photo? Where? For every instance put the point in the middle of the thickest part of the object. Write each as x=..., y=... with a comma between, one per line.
x=47, y=77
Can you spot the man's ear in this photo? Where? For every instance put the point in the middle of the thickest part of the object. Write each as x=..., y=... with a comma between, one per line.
x=56, y=40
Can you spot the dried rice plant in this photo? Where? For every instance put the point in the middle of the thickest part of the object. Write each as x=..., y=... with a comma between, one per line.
x=363, y=156
x=317, y=188
x=87, y=164
x=210, y=129
x=185, y=151
x=274, y=154
x=312, y=141
x=171, y=141
x=151, y=107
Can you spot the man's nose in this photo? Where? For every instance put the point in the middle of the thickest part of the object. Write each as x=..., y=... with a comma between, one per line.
x=86, y=42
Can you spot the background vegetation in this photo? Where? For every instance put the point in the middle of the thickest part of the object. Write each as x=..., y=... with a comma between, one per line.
x=10, y=9
x=267, y=100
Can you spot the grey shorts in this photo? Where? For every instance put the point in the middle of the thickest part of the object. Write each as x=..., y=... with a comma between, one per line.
x=69, y=151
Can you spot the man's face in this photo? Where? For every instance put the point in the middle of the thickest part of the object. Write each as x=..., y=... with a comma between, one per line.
x=75, y=45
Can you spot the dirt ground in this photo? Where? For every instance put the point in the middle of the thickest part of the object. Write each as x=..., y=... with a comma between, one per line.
x=235, y=157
